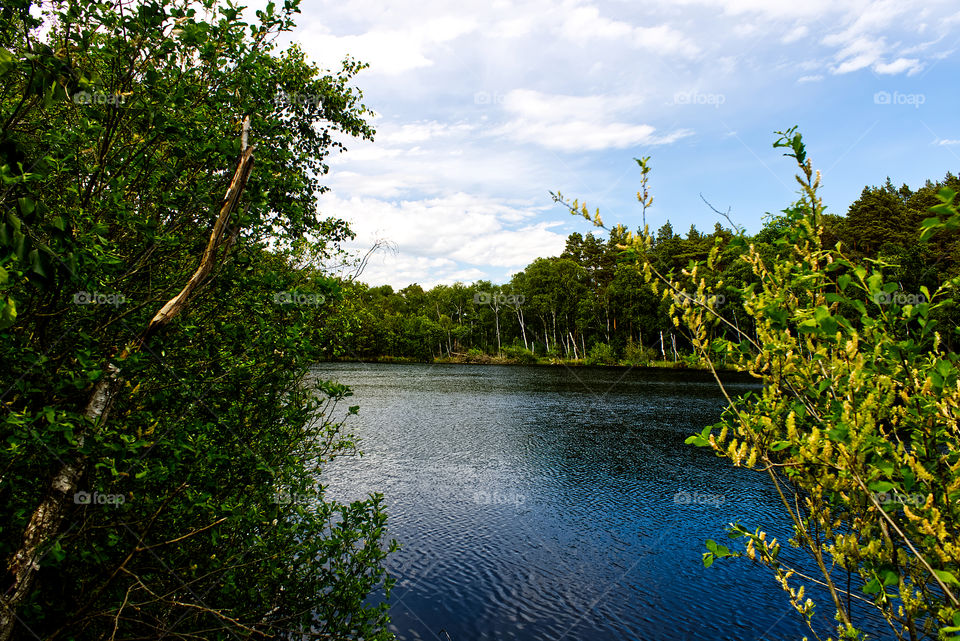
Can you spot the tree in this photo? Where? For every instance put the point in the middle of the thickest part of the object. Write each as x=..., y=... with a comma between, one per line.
x=880, y=216
x=120, y=127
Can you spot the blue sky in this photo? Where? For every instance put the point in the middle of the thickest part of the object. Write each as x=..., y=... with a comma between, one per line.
x=484, y=107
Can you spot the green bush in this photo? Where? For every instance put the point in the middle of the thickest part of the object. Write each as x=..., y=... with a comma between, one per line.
x=601, y=354
x=634, y=354
x=520, y=354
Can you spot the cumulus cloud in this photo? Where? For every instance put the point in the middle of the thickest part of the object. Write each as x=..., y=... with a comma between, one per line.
x=444, y=239
x=586, y=23
x=578, y=123
x=389, y=51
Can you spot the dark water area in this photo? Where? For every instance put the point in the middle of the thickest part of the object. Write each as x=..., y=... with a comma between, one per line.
x=552, y=503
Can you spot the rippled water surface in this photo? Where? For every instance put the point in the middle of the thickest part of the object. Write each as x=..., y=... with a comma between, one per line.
x=537, y=503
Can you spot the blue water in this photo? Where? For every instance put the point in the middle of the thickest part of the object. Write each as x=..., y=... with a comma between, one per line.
x=549, y=503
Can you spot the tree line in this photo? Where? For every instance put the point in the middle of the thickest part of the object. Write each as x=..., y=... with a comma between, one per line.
x=591, y=302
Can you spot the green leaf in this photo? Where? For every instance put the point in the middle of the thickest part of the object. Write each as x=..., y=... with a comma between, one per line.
x=946, y=577
x=7, y=61
x=27, y=206
x=8, y=313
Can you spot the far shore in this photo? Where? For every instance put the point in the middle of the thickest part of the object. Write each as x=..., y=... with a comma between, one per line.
x=489, y=359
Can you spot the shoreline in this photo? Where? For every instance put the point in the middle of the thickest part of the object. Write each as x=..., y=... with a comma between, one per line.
x=486, y=359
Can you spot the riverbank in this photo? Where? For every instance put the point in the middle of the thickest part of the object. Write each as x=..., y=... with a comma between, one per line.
x=503, y=359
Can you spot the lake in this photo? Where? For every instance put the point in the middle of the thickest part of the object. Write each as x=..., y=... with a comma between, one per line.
x=555, y=503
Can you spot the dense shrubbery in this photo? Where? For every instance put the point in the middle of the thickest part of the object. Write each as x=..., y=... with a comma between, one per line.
x=162, y=481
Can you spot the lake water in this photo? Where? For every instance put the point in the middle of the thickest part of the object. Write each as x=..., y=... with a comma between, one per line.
x=551, y=503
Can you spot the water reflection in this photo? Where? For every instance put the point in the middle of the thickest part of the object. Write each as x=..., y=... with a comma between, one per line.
x=539, y=503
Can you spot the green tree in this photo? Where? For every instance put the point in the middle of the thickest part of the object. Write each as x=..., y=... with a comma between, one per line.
x=180, y=393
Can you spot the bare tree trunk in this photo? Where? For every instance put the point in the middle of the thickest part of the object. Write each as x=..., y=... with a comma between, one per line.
x=554, y=313
x=47, y=519
x=523, y=328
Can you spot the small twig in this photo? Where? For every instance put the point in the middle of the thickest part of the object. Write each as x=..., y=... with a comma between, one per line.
x=739, y=229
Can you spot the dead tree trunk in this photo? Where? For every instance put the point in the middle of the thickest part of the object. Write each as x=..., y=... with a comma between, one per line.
x=47, y=519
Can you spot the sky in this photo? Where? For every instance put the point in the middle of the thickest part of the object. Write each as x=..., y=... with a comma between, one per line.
x=483, y=108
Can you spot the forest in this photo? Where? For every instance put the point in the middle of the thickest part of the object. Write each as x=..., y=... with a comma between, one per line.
x=590, y=304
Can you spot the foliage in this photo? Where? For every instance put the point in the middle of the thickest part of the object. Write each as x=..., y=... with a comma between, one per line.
x=519, y=355
x=856, y=424
x=601, y=354
x=118, y=129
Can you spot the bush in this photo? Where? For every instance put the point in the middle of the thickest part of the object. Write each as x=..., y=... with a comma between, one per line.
x=635, y=354
x=520, y=354
x=601, y=354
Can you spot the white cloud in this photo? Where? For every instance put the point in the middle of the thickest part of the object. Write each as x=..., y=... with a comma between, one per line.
x=389, y=51
x=857, y=53
x=797, y=33
x=447, y=238
x=583, y=135
x=813, y=78
x=421, y=132
x=910, y=65
x=526, y=103
x=577, y=123
x=766, y=8
x=586, y=23
x=946, y=141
